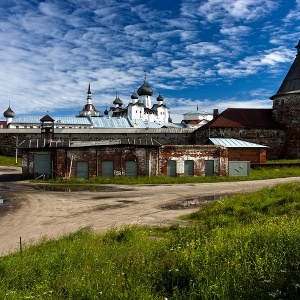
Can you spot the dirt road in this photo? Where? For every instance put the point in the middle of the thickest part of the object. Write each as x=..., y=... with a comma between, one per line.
x=32, y=213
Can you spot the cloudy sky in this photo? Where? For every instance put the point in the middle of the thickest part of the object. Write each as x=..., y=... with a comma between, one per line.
x=210, y=53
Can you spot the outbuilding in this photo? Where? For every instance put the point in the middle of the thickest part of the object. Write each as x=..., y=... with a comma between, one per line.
x=122, y=157
x=239, y=150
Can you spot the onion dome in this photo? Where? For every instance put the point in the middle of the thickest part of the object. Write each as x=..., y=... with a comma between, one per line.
x=134, y=95
x=145, y=90
x=118, y=101
x=160, y=98
x=9, y=113
x=106, y=112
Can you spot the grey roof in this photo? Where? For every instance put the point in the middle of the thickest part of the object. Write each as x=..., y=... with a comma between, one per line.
x=95, y=122
x=200, y=112
x=41, y=143
x=139, y=123
x=234, y=143
x=111, y=122
x=291, y=82
x=57, y=120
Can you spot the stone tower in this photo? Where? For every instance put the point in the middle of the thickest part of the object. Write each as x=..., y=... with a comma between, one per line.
x=286, y=107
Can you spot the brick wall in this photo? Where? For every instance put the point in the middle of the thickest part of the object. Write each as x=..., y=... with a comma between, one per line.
x=150, y=160
x=197, y=153
x=254, y=155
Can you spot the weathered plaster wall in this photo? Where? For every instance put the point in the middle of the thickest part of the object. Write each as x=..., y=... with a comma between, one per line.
x=197, y=153
x=150, y=160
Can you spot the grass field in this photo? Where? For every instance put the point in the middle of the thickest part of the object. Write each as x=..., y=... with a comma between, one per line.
x=10, y=161
x=242, y=247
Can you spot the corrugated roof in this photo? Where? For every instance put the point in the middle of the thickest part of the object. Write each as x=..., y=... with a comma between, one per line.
x=42, y=143
x=234, y=143
x=57, y=120
x=244, y=118
x=95, y=122
x=108, y=122
x=139, y=123
x=197, y=112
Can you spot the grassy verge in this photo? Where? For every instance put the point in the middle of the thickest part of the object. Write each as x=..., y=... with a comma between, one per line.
x=244, y=247
x=10, y=161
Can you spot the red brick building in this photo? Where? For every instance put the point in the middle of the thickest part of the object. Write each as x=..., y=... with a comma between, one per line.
x=130, y=158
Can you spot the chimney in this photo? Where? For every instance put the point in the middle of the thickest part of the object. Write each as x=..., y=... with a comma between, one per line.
x=216, y=112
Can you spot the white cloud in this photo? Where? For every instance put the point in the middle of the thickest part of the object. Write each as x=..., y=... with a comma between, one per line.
x=236, y=30
x=220, y=10
x=50, y=50
x=204, y=48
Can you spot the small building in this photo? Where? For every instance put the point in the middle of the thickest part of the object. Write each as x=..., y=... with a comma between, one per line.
x=196, y=119
x=122, y=157
x=242, y=151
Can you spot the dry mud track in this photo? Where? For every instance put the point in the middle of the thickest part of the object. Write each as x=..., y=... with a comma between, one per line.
x=34, y=214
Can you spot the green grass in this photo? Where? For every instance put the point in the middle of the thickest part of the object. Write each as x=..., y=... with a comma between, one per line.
x=283, y=161
x=10, y=161
x=243, y=247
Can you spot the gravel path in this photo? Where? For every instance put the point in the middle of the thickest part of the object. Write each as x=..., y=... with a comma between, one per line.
x=34, y=214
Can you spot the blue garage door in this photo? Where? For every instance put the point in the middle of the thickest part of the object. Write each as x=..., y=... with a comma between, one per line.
x=209, y=167
x=108, y=168
x=189, y=168
x=171, y=168
x=131, y=168
x=42, y=165
x=82, y=169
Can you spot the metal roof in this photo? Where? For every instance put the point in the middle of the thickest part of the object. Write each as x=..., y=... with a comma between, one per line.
x=42, y=143
x=198, y=112
x=110, y=122
x=57, y=120
x=234, y=143
x=139, y=123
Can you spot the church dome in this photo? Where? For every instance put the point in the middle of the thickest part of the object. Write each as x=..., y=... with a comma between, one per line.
x=9, y=113
x=145, y=90
x=134, y=95
x=106, y=112
x=160, y=98
x=118, y=101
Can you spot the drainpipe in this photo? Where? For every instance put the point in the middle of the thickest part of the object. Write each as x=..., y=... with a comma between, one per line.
x=97, y=162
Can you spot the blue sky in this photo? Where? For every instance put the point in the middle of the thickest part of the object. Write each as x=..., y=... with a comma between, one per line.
x=214, y=53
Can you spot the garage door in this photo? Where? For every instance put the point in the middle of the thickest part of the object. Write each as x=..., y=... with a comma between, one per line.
x=108, y=168
x=189, y=168
x=131, y=168
x=82, y=169
x=209, y=167
x=171, y=168
x=42, y=165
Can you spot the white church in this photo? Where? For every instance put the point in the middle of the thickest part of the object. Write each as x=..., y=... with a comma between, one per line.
x=139, y=113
